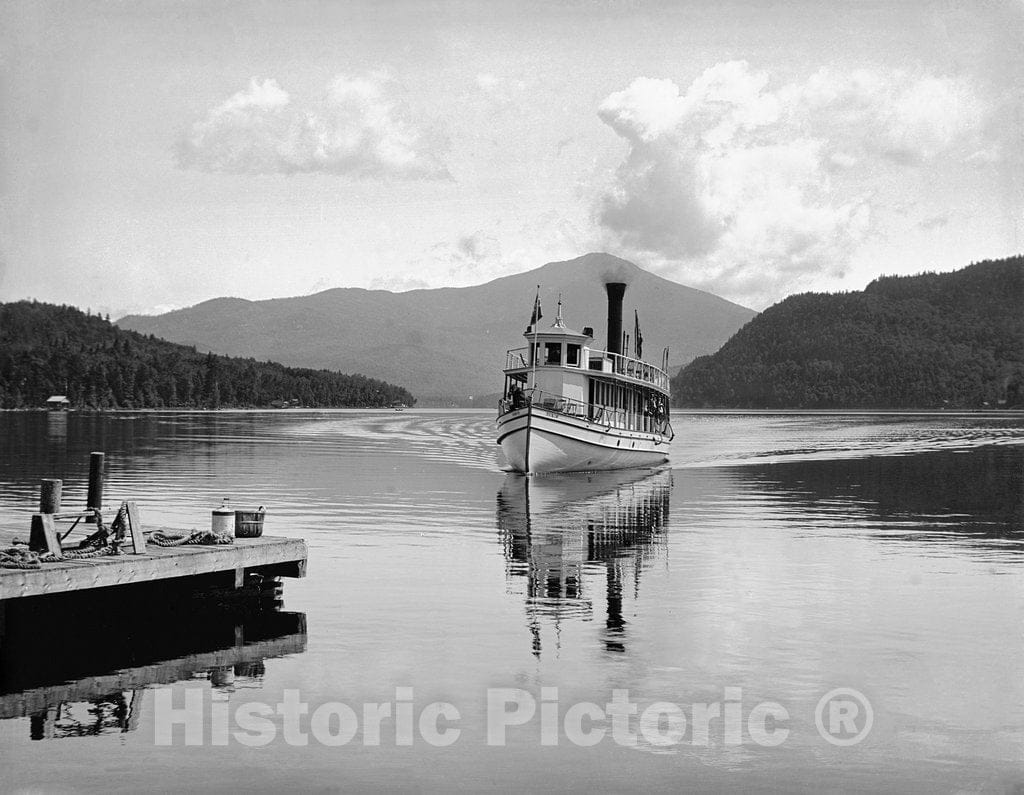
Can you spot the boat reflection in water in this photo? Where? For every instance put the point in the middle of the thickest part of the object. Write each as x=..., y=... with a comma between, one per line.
x=573, y=540
x=79, y=667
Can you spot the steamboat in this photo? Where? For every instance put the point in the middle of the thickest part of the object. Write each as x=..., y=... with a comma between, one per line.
x=570, y=407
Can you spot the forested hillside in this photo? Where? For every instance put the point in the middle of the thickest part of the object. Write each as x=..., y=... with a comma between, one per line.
x=937, y=340
x=47, y=350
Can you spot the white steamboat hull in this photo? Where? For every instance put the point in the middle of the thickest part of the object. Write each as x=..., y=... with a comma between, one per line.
x=537, y=441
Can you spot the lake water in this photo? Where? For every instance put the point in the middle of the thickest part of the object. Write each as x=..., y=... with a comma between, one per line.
x=777, y=559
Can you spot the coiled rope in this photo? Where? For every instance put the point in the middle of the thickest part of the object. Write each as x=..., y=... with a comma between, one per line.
x=25, y=558
x=199, y=537
x=19, y=558
x=83, y=554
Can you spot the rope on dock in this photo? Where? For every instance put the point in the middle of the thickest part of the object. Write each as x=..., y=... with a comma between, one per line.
x=82, y=554
x=22, y=558
x=103, y=537
x=196, y=537
x=19, y=558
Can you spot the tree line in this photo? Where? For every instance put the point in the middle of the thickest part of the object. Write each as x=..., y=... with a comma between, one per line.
x=60, y=350
x=935, y=340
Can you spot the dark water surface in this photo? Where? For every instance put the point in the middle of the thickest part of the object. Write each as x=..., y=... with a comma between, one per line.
x=778, y=558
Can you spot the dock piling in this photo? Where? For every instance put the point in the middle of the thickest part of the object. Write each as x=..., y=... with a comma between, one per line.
x=49, y=495
x=95, y=498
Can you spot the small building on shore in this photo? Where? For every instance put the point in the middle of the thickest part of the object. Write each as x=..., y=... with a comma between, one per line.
x=58, y=403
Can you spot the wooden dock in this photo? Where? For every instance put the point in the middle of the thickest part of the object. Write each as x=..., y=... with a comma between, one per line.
x=146, y=605
x=139, y=562
x=267, y=555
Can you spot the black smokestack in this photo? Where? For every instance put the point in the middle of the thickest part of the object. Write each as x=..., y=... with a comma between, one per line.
x=616, y=290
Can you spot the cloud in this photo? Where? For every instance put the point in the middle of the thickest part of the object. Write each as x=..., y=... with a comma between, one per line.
x=934, y=222
x=398, y=283
x=357, y=128
x=986, y=156
x=905, y=118
x=487, y=81
x=729, y=185
x=477, y=248
x=481, y=256
x=469, y=259
x=503, y=93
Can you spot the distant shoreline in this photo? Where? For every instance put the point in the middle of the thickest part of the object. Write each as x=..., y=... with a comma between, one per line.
x=1015, y=412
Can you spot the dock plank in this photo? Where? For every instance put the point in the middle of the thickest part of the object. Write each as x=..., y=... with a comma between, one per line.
x=287, y=555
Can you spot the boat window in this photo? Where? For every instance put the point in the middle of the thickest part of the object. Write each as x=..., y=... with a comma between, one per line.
x=572, y=355
x=552, y=353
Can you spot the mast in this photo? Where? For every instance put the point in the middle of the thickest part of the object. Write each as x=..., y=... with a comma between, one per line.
x=537, y=314
x=536, y=319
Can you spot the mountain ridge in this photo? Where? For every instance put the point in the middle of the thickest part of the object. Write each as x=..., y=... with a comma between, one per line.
x=446, y=344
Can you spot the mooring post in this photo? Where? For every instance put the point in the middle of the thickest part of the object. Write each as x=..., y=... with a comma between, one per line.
x=95, y=498
x=49, y=495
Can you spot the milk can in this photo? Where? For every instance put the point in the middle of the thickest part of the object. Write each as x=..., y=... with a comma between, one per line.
x=224, y=519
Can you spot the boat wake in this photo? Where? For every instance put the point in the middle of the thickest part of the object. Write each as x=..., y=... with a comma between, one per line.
x=783, y=440
x=456, y=439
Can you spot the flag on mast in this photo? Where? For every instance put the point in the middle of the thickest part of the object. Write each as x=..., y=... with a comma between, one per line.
x=638, y=338
x=537, y=314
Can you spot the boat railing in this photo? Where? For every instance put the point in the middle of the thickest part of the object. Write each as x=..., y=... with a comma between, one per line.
x=517, y=357
x=653, y=420
x=637, y=369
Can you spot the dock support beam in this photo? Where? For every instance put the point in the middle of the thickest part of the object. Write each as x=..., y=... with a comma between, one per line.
x=42, y=536
x=135, y=528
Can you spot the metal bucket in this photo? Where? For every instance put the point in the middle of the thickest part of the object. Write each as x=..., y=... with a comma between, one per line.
x=223, y=519
x=249, y=523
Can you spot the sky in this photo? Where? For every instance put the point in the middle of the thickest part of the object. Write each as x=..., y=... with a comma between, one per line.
x=159, y=153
